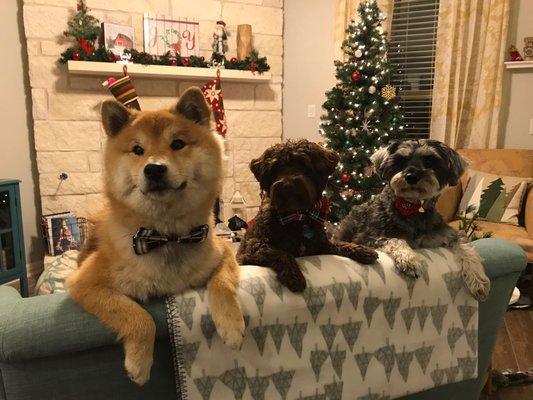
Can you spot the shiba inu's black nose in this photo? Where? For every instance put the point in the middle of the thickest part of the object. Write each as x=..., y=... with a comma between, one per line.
x=155, y=172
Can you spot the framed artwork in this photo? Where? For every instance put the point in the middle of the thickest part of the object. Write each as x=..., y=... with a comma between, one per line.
x=179, y=36
x=118, y=38
x=65, y=234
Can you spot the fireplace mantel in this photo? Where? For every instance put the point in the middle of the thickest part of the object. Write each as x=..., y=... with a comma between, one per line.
x=92, y=68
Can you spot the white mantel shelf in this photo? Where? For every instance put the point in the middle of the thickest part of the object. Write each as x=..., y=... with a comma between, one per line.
x=518, y=64
x=94, y=68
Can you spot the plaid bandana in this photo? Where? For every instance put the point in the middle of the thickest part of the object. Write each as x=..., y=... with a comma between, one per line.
x=146, y=240
x=318, y=213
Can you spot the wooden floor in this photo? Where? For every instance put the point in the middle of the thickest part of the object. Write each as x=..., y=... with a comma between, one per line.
x=514, y=350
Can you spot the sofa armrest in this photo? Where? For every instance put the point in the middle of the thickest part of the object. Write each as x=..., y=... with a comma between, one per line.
x=500, y=257
x=529, y=212
x=449, y=201
x=53, y=324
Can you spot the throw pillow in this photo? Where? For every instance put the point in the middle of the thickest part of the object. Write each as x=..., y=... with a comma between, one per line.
x=496, y=198
x=56, y=270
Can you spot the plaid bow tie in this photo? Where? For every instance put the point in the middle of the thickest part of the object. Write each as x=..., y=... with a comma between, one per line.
x=146, y=240
x=315, y=214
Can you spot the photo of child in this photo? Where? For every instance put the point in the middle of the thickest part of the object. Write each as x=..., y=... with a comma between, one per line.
x=65, y=235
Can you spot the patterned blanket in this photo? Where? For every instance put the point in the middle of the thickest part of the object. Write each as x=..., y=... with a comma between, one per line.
x=357, y=332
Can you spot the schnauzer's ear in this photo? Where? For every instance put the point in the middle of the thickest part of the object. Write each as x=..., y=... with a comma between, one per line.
x=262, y=167
x=115, y=116
x=457, y=165
x=324, y=160
x=377, y=159
x=192, y=105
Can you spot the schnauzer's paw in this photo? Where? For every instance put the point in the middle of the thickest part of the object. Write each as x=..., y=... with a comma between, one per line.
x=410, y=264
x=473, y=272
x=477, y=282
x=293, y=279
x=231, y=331
x=138, y=366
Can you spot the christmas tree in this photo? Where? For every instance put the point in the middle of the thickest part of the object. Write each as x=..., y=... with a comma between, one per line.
x=362, y=111
x=85, y=29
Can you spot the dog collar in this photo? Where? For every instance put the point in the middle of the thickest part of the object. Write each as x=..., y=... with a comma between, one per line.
x=407, y=208
x=318, y=213
x=146, y=240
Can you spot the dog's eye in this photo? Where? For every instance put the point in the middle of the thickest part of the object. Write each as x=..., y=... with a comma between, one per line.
x=177, y=144
x=429, y=161
x=137, y=150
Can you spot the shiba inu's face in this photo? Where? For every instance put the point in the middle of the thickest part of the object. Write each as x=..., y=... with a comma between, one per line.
x=164, y=158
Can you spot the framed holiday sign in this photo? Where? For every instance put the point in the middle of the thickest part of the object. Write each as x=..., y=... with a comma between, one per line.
x=179, y=36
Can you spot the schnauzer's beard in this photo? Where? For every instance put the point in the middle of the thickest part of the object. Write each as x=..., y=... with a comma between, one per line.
x=426, y=188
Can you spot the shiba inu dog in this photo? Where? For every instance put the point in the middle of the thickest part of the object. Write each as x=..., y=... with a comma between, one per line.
x=163, y=171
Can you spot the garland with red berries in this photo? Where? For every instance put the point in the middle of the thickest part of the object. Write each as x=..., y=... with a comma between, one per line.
x=85, y=29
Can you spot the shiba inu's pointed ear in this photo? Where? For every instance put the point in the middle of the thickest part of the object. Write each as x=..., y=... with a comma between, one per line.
x=192, y=105
x=114, y=117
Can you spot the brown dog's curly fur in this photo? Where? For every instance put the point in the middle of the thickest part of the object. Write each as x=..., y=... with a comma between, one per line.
x=292, y=177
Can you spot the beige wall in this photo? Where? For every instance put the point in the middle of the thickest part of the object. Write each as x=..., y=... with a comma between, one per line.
x=308, y=64
x=517, y=104
x=16, y=137
x=68, y=136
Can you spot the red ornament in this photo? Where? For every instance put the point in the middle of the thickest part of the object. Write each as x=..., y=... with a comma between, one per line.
x=185, y=61
x=253, y=66
x=345, y=177
x=233, y=60
x=76, y=56
x=173, y=62
x=356, y=76
x=86, y=46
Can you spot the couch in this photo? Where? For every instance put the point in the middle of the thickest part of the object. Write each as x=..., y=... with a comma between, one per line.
x=51, y=349
x=507, y=162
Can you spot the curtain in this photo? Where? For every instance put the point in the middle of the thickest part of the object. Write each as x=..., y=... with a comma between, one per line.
x=346, y=11
x=467, y=91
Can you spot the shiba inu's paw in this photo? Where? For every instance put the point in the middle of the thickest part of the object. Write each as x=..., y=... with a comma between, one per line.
x=409, y=263
x=138, y=367
x=231, y=329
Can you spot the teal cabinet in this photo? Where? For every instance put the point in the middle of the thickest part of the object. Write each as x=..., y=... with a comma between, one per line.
x=12, y=258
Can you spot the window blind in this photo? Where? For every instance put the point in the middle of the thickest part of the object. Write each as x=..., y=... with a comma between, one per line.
x=412, y=53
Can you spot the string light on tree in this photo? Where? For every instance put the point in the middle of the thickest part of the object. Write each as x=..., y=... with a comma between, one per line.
x=362, y=112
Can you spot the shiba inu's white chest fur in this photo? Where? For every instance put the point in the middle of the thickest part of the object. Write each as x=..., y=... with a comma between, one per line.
x=169, y=269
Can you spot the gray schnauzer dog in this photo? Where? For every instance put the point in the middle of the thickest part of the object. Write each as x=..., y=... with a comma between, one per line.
x=403, y=216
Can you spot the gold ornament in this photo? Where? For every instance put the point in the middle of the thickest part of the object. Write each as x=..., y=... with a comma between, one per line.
x=388, y=92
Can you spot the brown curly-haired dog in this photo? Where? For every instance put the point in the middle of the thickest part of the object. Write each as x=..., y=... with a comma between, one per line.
x=289, y=224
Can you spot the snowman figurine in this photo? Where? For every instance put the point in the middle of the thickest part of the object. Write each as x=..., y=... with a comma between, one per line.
x=220, y=39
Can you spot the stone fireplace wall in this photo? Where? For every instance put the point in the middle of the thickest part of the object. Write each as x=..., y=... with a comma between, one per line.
x=68, y=135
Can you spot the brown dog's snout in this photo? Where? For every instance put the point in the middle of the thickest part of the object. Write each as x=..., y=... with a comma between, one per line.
x=155, y=172
x=291, y=192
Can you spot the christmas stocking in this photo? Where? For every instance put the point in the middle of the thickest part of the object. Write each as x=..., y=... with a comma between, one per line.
x=213, y=95
x=123, y=91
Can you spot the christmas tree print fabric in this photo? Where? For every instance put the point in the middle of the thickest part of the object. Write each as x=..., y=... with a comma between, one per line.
x=55, y=272
x=495, y=198
x=357, y=332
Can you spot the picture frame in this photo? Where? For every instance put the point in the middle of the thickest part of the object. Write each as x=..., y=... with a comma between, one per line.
x=180, y=36
x=65, y=234
x=117, y=38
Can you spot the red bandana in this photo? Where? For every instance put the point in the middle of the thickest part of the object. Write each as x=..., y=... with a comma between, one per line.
x=406, y=208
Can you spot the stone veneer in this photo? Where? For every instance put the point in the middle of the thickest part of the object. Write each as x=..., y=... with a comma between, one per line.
x=68, y=134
